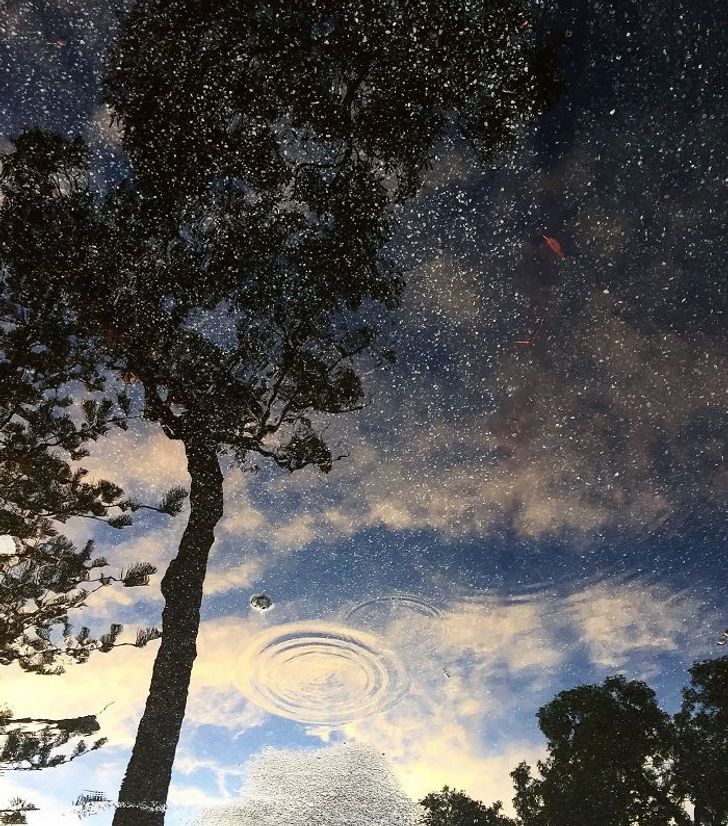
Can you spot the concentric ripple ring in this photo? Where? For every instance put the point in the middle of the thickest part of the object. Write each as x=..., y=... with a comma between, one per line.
x=320, y=673
x=390, y=602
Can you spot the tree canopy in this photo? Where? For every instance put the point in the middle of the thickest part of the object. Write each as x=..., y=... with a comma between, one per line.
x=616, y=759
x=52, y=408
x=701, y=761
x=609, y=751
x=453, y=808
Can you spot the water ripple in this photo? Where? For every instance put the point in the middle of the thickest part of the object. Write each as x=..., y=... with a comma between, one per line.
x=320, y=673
x=388, y=606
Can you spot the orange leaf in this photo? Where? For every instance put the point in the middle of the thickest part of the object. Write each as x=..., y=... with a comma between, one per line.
x=554, y=246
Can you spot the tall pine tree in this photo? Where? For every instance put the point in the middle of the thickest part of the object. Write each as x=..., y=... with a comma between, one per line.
x=238, y=275
x=52, y=407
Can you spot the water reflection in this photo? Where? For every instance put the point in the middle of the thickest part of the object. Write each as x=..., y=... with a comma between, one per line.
x=320, y=673
x=534, y=502
x=384, y=608
x=269, y=151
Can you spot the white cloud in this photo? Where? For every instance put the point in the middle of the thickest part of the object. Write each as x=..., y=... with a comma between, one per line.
x=223, y=578
x=142, y=460
x=616, y=623
x=121, y=678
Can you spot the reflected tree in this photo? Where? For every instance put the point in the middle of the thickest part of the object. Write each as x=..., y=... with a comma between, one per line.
x=616, y=759
x=238, y=278
x=277, y=95
x=32, y=743
x=52, y=408
x=609, y=761
x=16, y=811
x=702, y=742
x=453, y=808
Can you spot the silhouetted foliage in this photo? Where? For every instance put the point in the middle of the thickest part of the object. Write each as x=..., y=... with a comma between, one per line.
x=40, y=584
x=616, y=759
x=610, y=761
x=31, y=743
x=702, y=742
x=452, y=808
x=281, y=95
x=52, y=407
x=40, y=364
x=238, y=277
x=15, y=811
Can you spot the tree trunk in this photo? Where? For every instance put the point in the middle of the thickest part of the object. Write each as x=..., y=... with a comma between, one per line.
x=144, y=789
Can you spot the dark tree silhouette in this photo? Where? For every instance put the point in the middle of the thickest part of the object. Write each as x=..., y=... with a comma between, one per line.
x=281, y=94
x=609, y=761
x=616, y=759
x=452, y=808
x=31, y=743
x=52, y=407
x=238, y=277
x=702, y=742
x=45, y=431
x=15, y=811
